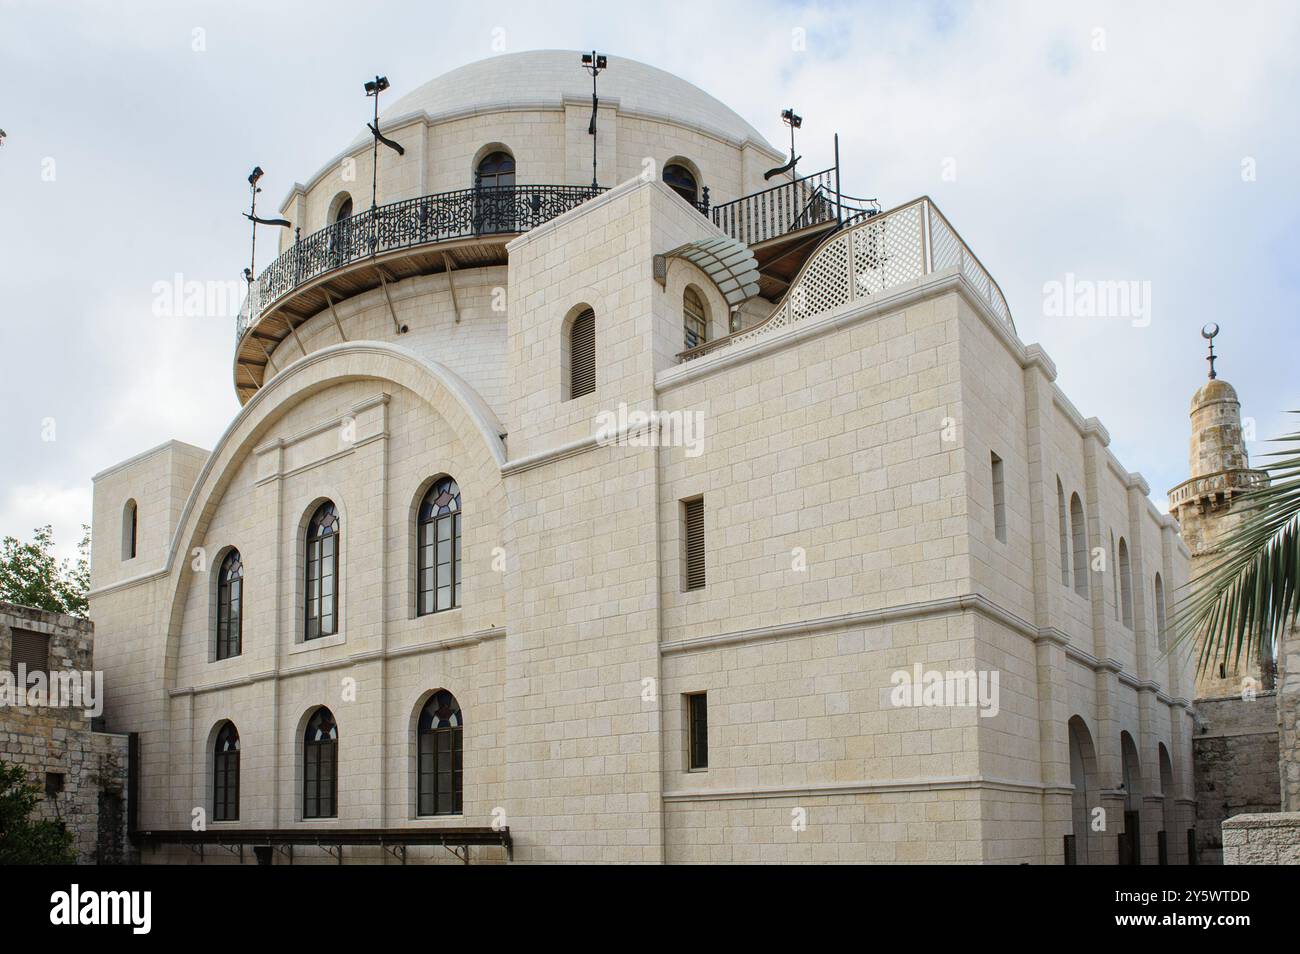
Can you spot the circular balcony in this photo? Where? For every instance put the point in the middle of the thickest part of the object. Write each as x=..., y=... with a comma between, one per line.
x=468, y=228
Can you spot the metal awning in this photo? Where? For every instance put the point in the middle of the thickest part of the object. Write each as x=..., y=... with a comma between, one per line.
x=728, y=262
x=393, y=840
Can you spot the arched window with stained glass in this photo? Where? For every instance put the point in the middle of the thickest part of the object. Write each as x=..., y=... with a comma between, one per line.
x=324, y=535
x=225, y=774
x=438, y=530
x=440, y=737
x=320, y=764
x=230, y=605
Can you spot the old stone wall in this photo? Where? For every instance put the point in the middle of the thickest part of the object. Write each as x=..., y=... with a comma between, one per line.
x=1235, y=758
x=1288, y=719
x=1272, y=839
x=82, y=772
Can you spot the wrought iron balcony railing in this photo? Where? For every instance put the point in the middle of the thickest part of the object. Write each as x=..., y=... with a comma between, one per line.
x=466, y=213
x=788, y=207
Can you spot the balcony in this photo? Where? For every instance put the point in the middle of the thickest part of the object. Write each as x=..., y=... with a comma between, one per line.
x=470, y=228
x=873, y=254
x=1211, y=489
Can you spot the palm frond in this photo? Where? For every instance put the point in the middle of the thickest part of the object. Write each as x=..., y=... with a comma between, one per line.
x=1250, y=591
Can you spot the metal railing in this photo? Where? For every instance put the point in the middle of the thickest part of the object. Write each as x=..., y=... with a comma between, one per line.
x=873, y=255
x=783, y=208
x=465, y=213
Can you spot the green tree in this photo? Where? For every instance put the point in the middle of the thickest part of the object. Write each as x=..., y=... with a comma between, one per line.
x=31, y=576
x=1250, y=593
x=24, y=841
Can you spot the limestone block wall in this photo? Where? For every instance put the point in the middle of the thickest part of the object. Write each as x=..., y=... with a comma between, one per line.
x=158, y=480
x=1235, y=752
x=90, y=766
x=1288, y=719
x=467, y=336
x=1272, y=839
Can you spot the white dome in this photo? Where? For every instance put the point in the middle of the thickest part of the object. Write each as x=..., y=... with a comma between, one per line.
x=549, y=77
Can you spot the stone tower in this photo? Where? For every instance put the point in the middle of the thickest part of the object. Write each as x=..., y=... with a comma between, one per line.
x=1206, y=504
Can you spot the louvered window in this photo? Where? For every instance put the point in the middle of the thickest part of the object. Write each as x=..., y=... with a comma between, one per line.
x=31, y=650
x=694, y=514
x=582, y=355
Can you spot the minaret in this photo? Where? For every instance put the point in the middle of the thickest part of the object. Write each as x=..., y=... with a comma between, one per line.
x=1206, y=505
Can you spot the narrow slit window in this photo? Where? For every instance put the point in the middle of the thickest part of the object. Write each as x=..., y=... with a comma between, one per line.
x=999, y=499
x=697, y=730
x=693, y=514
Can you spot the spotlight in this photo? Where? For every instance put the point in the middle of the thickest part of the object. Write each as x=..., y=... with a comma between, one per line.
x=791, y=119
x=376, y=86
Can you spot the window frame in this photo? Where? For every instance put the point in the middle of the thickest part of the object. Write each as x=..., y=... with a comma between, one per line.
x=697, y=731
x=315, y=553
x=451, y=516
x=677, y=184
x=224, y=771
x=230, y=595
x=437, y=730
x=700, y=317
x=317, y=754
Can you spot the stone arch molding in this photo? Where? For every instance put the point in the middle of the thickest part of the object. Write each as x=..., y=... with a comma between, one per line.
x=446, y=393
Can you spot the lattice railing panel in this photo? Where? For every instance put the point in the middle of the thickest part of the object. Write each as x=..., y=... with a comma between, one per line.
x=877, y=254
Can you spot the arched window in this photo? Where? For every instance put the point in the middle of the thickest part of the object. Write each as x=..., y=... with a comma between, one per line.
x=320, y=766
x=496, y=170
x=130, y=530
x=1125, y=585
x=1160, y=612
x=439, y=543
x=682, y=181
x=695, y=318
x=1079, y=534
x=1064, y=533
x=1114, y=575
x=230, y=604
x=441, y=744
x=343, y=210
x=582, y=354
x=323, y=541
x=225, y=774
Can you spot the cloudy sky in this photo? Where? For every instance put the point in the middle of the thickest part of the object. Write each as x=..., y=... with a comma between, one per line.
x=1155, y=145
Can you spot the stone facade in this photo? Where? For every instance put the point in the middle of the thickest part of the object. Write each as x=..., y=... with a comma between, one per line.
x=1272, y=839
x=82, y=772
x=1288, y=720
x=854, y=529
x=1234, y=753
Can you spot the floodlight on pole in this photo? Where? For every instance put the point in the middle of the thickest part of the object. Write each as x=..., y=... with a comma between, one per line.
x=594, y=63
